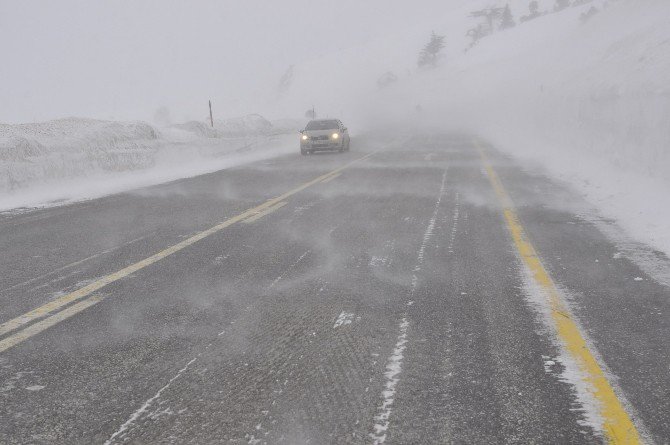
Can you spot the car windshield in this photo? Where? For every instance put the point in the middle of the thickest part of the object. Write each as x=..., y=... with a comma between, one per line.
x=322, y=125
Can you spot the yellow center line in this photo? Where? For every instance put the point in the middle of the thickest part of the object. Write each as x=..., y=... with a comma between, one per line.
x=330, y=178
x=45, y=324
x=259, y=215
x=617, y=423
x=67, y=266
x=89, y=289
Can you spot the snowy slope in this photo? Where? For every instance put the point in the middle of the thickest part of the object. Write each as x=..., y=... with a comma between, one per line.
x=591, y=103
x=586, y=99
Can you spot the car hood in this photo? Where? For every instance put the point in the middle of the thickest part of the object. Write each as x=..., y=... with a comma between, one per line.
x=321, y=132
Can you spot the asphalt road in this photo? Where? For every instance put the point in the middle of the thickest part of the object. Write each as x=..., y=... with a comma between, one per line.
x=432, y=292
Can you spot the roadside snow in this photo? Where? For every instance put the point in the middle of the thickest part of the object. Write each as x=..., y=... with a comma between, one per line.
x=59, y=161
x=569, y=370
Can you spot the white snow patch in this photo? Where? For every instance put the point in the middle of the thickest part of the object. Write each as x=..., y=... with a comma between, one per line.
x=652, y=262
x=219, y=260
x=393, y=368
x=291, y=267
x=454, y=227
x=12, y=382
x=344, y=319
x=35, y=387
x=548, y=363
x=376, y=261
x=121, y=432
x=427, y=235
x=572, y=373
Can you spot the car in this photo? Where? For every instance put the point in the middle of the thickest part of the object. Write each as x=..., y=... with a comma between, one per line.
x=324, y=135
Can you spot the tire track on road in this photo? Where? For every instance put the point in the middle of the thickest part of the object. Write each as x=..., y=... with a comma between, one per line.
x=395, y=361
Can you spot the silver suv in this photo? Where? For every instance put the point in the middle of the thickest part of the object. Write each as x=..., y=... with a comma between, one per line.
x=324, y=135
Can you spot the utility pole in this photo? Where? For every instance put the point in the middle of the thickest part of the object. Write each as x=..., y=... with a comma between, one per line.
x=211, y=118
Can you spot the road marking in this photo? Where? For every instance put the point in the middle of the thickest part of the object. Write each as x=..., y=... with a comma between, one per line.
x=45, y=324
x=88, y=290
x=617, y=423
x=261, y=214
x=330, y=178
x=68, y=266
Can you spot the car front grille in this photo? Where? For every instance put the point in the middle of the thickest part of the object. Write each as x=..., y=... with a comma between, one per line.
x=319, y=138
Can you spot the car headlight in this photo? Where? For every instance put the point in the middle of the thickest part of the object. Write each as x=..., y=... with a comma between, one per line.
x=335, y=135
x=304, y=137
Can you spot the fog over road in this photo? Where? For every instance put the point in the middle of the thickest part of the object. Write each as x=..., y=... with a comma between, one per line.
x=418, y=289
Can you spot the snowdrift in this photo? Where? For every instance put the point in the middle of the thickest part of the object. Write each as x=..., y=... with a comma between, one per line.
x=245, y=126
x=48, y=151
x=81, y=158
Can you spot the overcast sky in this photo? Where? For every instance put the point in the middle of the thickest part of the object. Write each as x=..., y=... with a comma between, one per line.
x=123, y=59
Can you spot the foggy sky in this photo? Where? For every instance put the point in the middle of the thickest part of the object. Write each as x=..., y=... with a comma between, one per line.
x=123, y=59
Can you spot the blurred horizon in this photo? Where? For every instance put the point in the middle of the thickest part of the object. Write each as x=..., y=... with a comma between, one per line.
x=126, y=59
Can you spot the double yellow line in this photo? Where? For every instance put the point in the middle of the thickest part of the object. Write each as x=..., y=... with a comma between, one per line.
x=85, y=297
x=617, y=423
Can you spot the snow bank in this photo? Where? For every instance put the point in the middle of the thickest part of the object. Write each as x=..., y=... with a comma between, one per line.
x=48, y=151
x=252, y=125
x=81, y=158
x=598, y=87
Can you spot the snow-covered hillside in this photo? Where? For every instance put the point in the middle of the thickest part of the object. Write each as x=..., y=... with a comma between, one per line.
x=82, y=158
x=582, y=94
